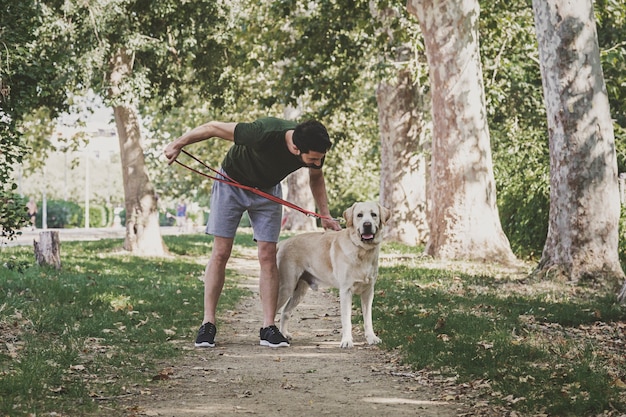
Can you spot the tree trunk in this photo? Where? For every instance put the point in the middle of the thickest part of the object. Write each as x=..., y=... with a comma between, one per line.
x=48, y=249
x=463, y=217
x=403, y=162
x=299, y=193
x=298, y=190
x=582, y=239
x=143, y=235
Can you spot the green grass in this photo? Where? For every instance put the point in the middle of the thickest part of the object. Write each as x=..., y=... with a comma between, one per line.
x=99, y=324
x=536, y=349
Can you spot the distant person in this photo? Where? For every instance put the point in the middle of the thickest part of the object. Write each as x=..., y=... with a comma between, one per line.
x=263, y=154
x=31, y=207
x=181, y=216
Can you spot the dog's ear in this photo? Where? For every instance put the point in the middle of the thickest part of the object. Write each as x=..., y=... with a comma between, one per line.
x=385, y=214
x=347, y=214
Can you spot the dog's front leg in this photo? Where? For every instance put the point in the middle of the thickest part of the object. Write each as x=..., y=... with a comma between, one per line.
x=345, y=301
x=367, y=299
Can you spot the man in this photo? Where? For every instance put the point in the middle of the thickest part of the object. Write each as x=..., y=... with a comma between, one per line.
x=264, y=153
x=181, y=216
x=31, y=207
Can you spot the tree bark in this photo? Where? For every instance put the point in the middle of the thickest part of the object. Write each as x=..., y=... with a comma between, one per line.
x=582, y=239
x=463, y=217
x=299, y=193
x=143, y=235
x=48, y=249
x=403, y=162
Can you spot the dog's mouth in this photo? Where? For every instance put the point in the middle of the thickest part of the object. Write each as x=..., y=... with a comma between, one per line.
x=367, y=235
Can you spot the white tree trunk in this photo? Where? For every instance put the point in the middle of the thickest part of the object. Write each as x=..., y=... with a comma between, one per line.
x=299, y=193
x=582, y=239
x=463, y=216
x=403, y=162
x=143, y=235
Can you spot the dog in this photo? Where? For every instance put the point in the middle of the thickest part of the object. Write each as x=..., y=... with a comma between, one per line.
x=345, y=259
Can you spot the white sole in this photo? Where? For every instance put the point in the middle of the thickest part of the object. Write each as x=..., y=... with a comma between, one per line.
x=268, y=344
x=204, y=344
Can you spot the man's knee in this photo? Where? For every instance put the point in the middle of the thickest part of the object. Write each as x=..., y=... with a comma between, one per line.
x=222, y=248
x=267, y=253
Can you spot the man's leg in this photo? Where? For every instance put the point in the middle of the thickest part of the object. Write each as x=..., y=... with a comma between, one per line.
x=270, y=335
x=268, y=281
x=215, y=275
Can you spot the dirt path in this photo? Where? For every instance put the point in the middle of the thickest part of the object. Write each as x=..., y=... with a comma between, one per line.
x=312, y=377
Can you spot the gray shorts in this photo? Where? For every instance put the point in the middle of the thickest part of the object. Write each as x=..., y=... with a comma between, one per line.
x=228, y=203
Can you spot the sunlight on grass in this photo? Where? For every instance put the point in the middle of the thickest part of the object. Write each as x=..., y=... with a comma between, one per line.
x=98, y=326
x=539, y=351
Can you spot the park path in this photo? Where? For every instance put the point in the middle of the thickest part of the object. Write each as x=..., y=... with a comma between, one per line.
x=82, y=234
x=312, y=377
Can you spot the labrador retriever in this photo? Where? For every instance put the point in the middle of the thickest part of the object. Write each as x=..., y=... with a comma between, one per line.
x=346, y=259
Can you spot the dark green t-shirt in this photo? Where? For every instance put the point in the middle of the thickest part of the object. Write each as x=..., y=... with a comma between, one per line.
x=259, y=157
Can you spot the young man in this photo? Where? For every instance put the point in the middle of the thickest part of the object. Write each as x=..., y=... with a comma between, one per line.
x=264, y=153
x=31, y=206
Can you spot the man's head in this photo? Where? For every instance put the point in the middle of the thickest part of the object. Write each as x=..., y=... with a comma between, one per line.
x=311, y=136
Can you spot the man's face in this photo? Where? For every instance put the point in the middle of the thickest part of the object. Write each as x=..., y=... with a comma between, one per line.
x=312, y=159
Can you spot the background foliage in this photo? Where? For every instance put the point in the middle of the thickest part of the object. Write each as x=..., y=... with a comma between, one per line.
x=320, y=59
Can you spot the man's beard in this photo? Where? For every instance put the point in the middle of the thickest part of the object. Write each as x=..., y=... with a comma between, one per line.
x=309, y=165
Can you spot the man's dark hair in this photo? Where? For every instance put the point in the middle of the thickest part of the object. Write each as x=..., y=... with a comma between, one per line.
x=311, y=136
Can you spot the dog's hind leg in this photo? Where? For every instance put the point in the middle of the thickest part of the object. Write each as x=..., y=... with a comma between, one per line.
x=298, y=293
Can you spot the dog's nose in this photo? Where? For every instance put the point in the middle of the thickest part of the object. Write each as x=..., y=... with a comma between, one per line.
x=367, y=225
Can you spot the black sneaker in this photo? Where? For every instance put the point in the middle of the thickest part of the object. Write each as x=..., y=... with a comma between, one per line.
x=206, y=335
x=272, y=337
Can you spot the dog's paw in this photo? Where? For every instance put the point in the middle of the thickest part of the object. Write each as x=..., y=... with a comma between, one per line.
x=373, y=339
x=346, y=344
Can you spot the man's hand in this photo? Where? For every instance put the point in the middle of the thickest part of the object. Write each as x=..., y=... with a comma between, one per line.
x=331, y=224
x=171, y=152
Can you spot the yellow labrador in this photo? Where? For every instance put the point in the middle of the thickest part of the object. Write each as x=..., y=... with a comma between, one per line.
x=347, y=260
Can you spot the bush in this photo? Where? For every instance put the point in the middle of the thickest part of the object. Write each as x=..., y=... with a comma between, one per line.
x=61, y=214
x=108, y=215
x=13, y=214
x=97, y=216
x=622, y=238
x=165, y=219
x=523, y=183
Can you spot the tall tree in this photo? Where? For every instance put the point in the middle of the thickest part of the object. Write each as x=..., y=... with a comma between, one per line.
x=32, y=76
x=298, y=192
x=463, y=219
x=130, y=53
x=403, y=122
x=403, y=160
x=143, y=235
x=584, y=197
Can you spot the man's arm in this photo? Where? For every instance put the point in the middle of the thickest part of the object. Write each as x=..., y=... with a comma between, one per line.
x=318, y=188
x=224, y=130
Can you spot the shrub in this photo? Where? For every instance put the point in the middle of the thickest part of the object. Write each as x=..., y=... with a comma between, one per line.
x=61, y=214
x=12, y=214
x=165, y=219
x=97, y=216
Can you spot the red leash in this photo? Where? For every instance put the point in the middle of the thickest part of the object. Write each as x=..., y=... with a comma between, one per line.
x=227, y=180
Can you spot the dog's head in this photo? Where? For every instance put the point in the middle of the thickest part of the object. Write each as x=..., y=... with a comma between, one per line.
x=367, y=220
